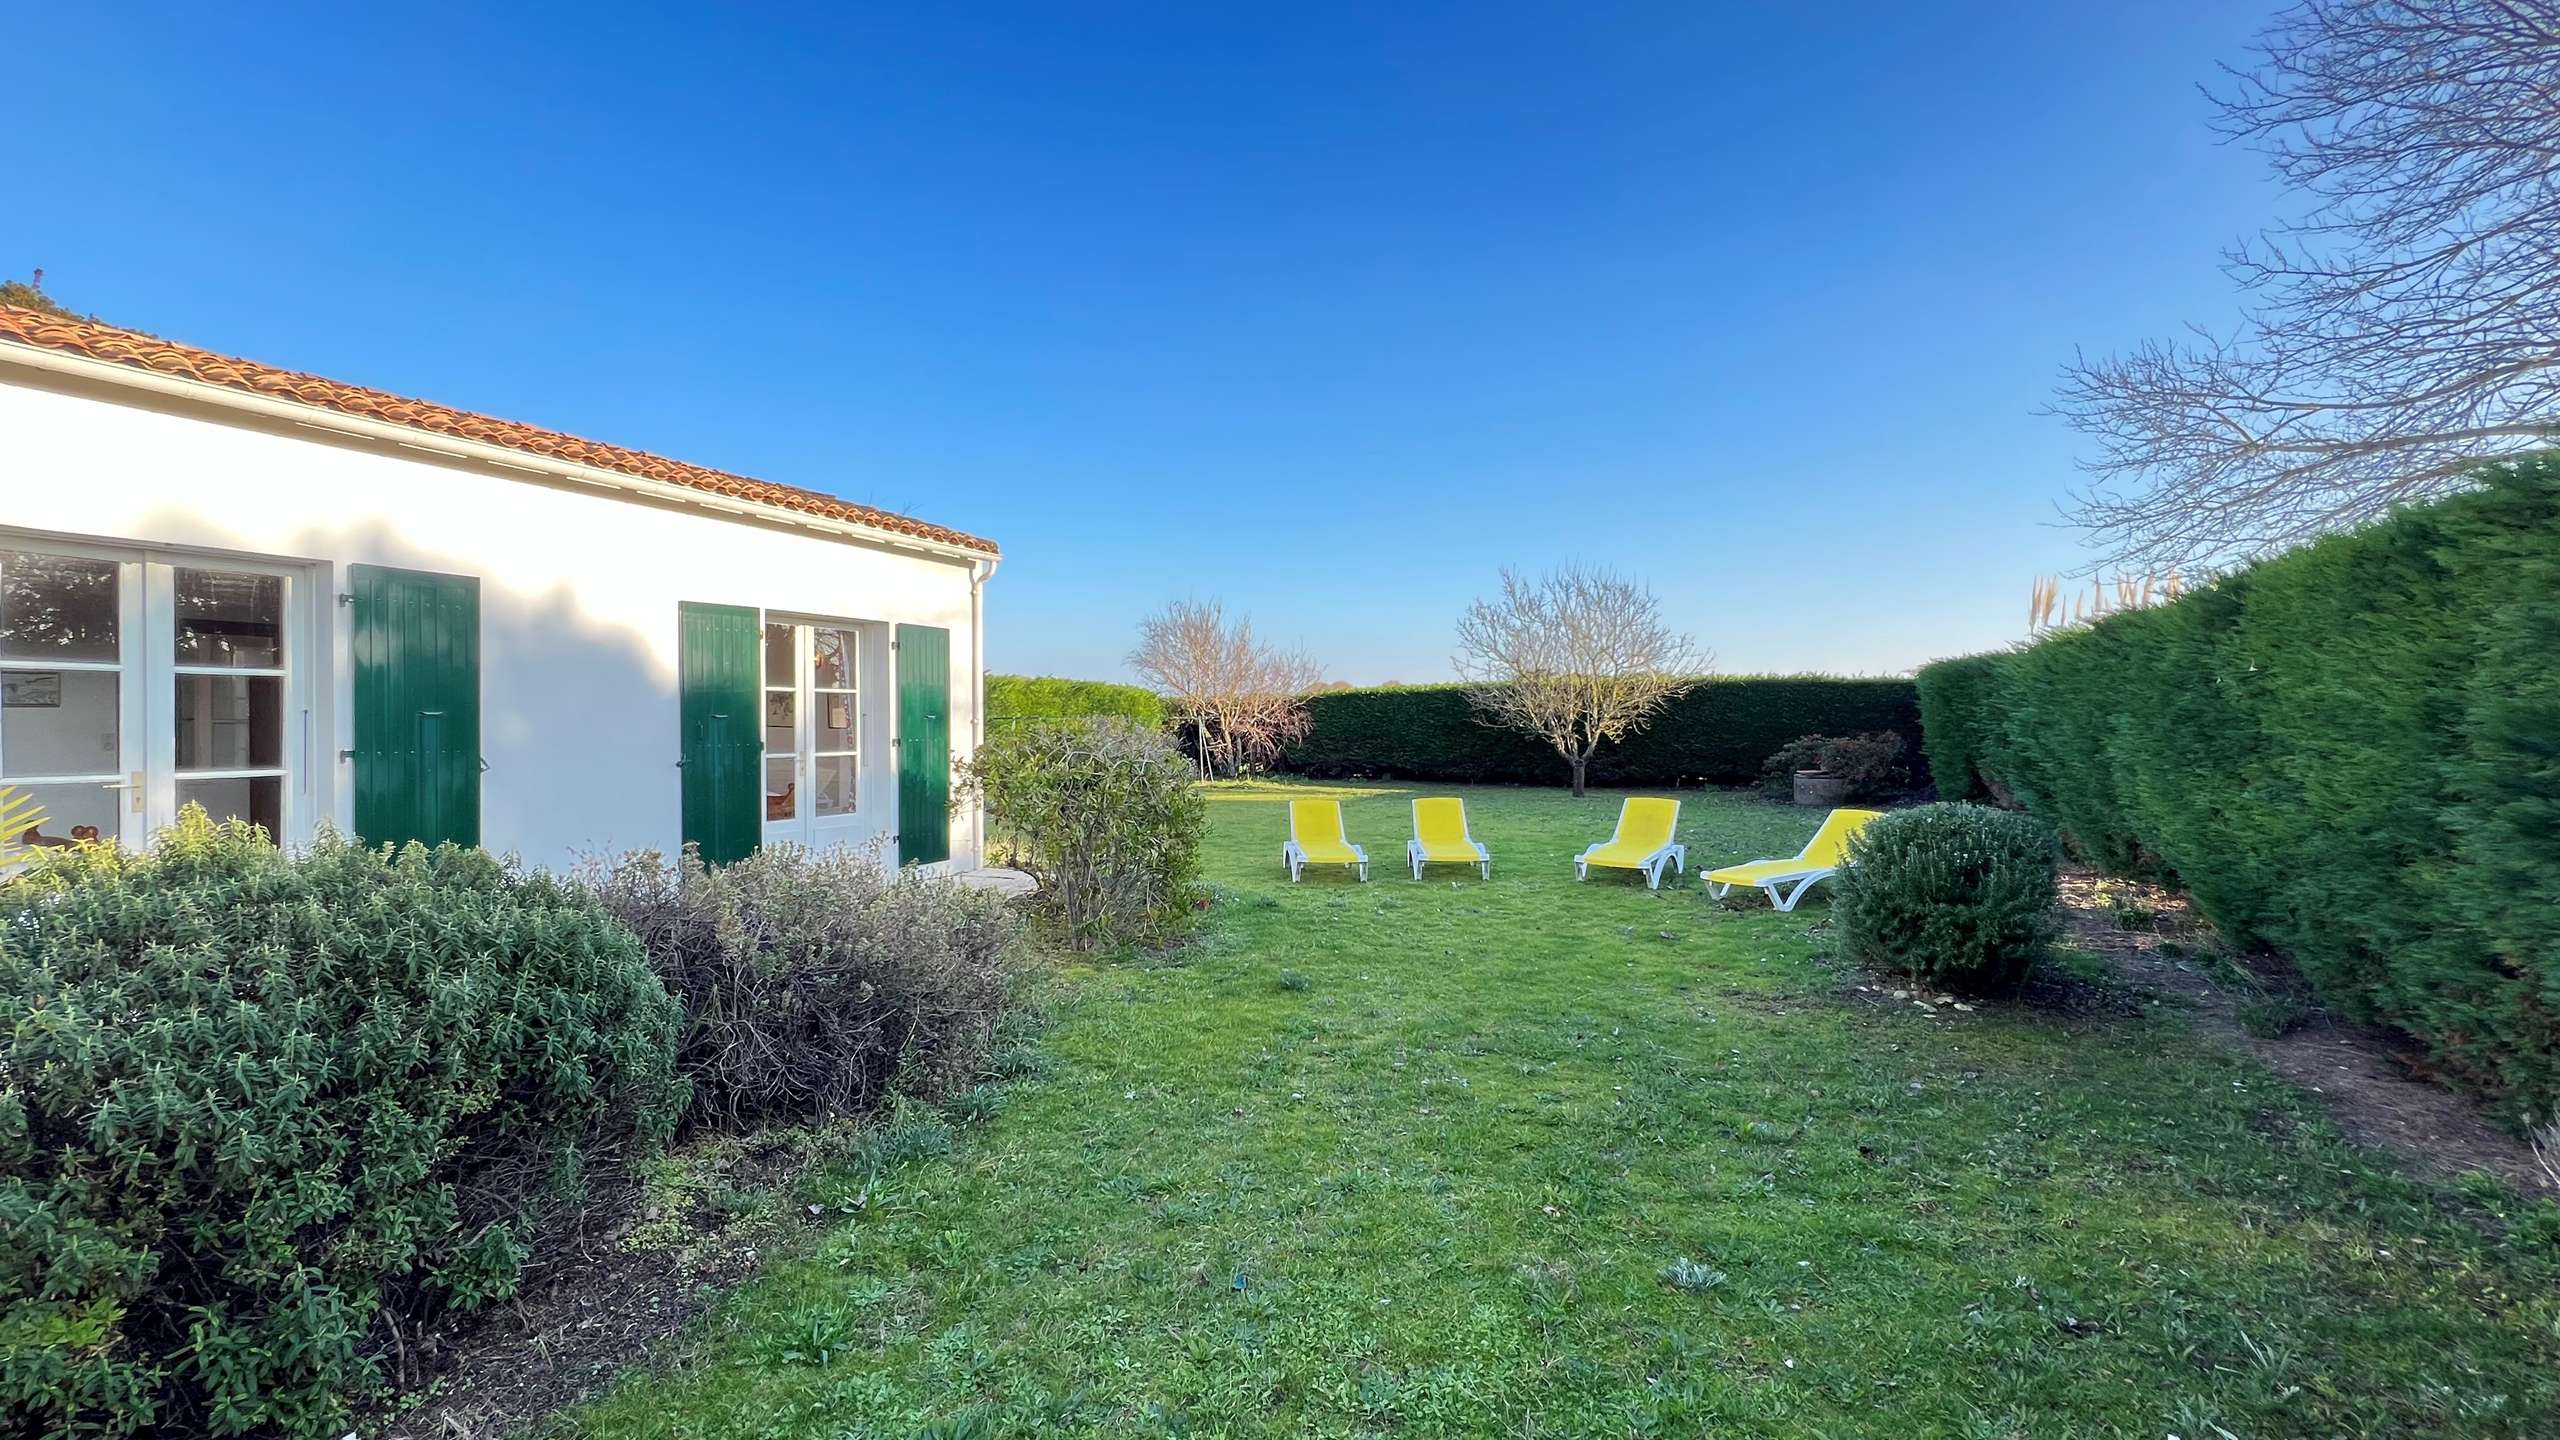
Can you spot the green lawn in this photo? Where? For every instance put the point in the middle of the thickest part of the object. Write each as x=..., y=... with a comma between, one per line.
x=1416, y=1159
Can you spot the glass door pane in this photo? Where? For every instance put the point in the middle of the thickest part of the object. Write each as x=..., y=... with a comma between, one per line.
x=229, y=620
x=230, y=722
x=782, y=799
x=60, y=723
x=72, y=812
x=833, y=741
x=64, y=731
x=227, y=694
x=258, y=799
x=58, y=607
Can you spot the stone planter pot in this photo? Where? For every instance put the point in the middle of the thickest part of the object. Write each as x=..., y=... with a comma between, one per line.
x=1814, y=787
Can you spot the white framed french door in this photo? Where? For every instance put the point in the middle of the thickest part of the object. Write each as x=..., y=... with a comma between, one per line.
x=812, y=731
x=134, y=681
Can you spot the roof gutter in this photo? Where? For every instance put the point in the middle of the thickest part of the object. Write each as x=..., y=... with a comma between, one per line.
x=315, y=417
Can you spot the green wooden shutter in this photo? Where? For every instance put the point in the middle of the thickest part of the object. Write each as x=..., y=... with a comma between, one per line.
x=717, y=660
x=924, y=744
x=416, y=646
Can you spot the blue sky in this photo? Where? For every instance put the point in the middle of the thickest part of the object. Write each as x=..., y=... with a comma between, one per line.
x=1325, y=311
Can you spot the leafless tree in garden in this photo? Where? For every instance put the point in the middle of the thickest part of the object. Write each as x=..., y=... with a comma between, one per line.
x=2404, y=329
x=1575, y=658
x=1244, y=699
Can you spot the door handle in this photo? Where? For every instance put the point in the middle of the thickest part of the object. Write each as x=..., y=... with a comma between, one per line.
x=132, y=782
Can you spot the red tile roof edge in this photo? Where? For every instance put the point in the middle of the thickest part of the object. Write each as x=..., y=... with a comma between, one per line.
x=39, y=330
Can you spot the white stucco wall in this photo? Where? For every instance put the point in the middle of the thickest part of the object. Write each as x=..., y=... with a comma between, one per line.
x=578, y=594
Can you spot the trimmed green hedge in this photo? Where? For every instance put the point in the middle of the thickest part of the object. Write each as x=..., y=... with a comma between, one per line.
x=1951, y=692
x=1014, y=699
x=2350, y=752
x=1720, y=733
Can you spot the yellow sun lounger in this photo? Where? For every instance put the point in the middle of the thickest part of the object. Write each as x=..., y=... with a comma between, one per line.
x=1440, y=837
x=1644, y=842
x=1316, y=838
x=1826, y=856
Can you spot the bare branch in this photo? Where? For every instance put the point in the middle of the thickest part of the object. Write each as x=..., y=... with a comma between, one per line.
x=2404, y=329
x=1245, y=700
x=1577, y=658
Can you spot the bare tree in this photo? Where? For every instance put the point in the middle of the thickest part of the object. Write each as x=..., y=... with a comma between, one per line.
x=1244, y=699
x=2403, y=330
x=1575, y=658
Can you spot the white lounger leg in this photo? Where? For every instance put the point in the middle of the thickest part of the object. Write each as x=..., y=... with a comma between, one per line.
x=1792, y=896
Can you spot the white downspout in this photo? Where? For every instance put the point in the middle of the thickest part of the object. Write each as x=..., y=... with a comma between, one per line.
x=980, y=572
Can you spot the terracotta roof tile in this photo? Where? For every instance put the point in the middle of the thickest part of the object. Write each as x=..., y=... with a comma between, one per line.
x=143, y=352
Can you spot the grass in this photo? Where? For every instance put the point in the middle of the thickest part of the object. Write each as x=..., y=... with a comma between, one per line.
x=1533, y=1158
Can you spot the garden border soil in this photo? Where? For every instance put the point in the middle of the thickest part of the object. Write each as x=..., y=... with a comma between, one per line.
x=589, y=1312
x=2377, y=1093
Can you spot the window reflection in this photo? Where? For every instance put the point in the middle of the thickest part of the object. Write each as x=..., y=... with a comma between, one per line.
x=57, y=607
x=229, y=619
x=831, y=658
x=778, y=670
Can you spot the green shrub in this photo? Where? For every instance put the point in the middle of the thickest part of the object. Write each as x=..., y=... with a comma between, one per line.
x=2345, y=752
x=1104, y=814
x=1014, y=700
x=811, y=980
x=1871, y=763
x=1959, y=896
x=253, y=1103
x=1720, y=733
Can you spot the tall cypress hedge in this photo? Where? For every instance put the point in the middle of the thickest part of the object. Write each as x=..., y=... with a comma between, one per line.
x=1720, y=733
x=2350, y=752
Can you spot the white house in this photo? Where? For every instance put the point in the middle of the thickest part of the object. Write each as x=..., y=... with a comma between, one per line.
x=299, y=601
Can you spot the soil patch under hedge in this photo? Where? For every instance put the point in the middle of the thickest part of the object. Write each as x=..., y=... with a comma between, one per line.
x=2379, y=1093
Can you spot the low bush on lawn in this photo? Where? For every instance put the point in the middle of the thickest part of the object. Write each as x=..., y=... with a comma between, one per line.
x=257, y=1107
x=1104, y=814
x=810, y=981
x=1872, y=763
x=1958, y=896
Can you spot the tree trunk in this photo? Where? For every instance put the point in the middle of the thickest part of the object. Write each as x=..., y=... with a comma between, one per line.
x=1578, y=763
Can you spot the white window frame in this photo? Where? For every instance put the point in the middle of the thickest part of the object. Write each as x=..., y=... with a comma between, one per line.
x=147, y=777
x=805, y=826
